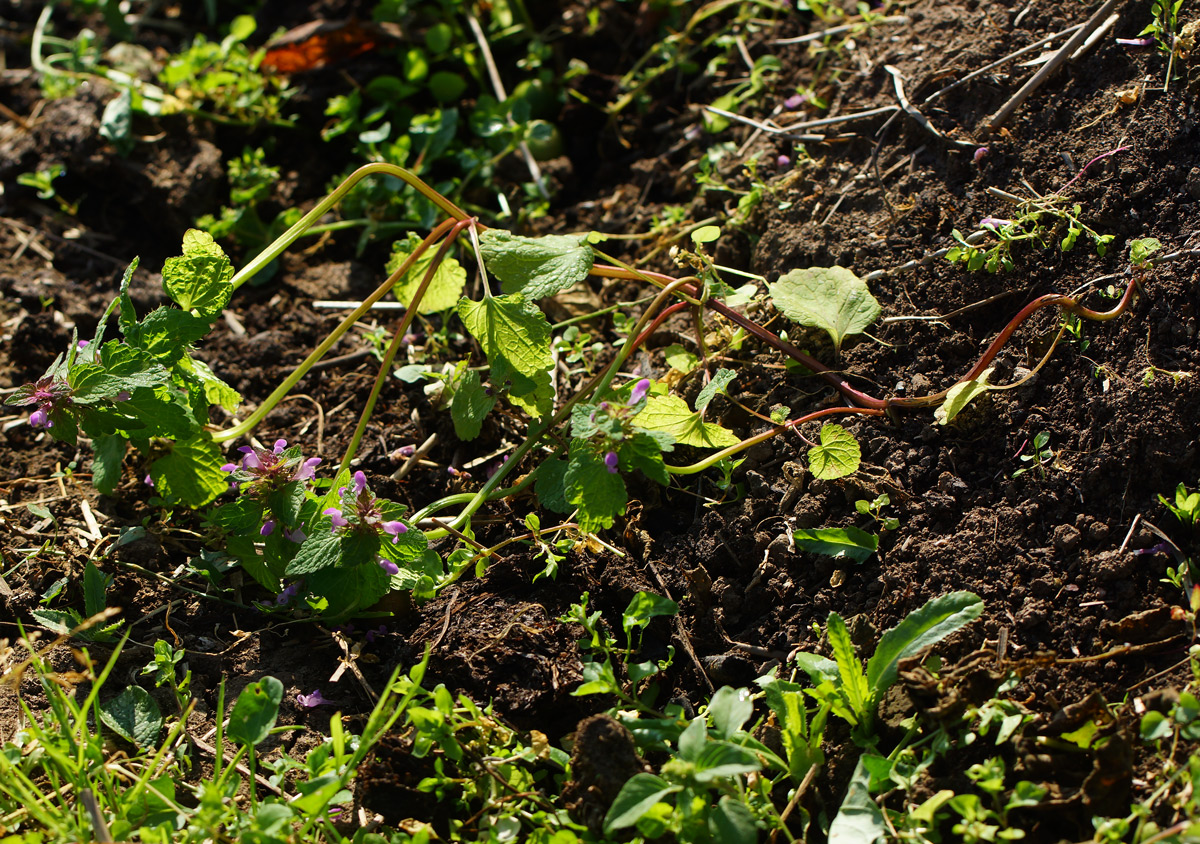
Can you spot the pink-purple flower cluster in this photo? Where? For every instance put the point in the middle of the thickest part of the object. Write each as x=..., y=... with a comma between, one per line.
x=49, y=394
x=360, y=511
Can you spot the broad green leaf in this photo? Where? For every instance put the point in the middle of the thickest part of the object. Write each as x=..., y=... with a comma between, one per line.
x=166, y=333
x=679, y=358
x=643, y=607
x=838, y=454
x=199, y=280
x=833, y=299
x=923, y=627
x=216, y=391
x=533, y=395
x=470, y=405
x=191, y=473
x=255, y=711
x=1142, y=248
x=321, y=550
x=598, y=494
x=536, y=266
x=121, y=368
x=510, y=328
x=644, y=452
x=550, y=486
x=859, y=820
x=731, y=822
x=850, y=671
x=961, y=395
x=349, y=589
x=718, y=384
x=693, y=740
x=445, y=287
x=637, y=796
x=729, y=709
x=95, y=585
x=134, y=716
x=107, y=453
x=671, y=415
x=722, y=760
x=842, y=543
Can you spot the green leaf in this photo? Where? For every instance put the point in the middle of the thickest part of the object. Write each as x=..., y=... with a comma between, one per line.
x=510, y=328
x=216, y=391
x=191, y=473
x=961, y=395
x=199, y=280
x=134, y=716
x=255, y=711
x=838, y=454
x=550, y=487
x=598, y=494
x=470, y=405
x=643, y=452
x=166, y=333
x=729, y=710
x=722, y=760
x=706, y=234
x=95, y=584
x=833, y=299
x=445, y=287
x=349, y=589
x=859, y=820
x=670, y=415
x=121, y=368
x=107, y=453
x=1142, y=248
x=853, y=681
x=842, y=543
x=637, y=796
x=320, y=551
x=536, y=266
x=643, y=607
x=923, y=627
x=718, y=384
x=732, y=822
x=679, y=358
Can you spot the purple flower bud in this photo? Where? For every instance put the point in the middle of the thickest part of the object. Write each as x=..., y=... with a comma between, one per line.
x=315, y=699
x=335, y=515
x=381, y=630
x=610, y=462
x=639, y=391
x=296, y=535
x=1148, y=41
x=406, y=451
x=395, y=529
x=450, y=470
x=148, y=481
x=279, y=446
x=783, y=161
x=122, y=396
x=389, y=567
x=979, y=154
x=229, y=467
x=994, y=223
x=359, y=484
x=794, y=102
x=308, y=469
x=268, y=528
x=40, y=419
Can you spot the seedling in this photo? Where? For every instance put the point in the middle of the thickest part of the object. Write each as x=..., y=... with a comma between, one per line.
x=874, y=509
x=1186, y=506
x=43, y=182
x=1040, y=455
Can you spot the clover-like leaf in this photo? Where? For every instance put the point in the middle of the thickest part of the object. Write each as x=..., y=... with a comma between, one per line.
x=536, y=266
x=837, y=455
x=833, y=299
x=445, y=287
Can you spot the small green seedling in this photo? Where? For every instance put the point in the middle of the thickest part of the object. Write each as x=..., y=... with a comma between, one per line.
x=1186, y=507
x=874, y=509
x=1041, y=455
x=43, y=182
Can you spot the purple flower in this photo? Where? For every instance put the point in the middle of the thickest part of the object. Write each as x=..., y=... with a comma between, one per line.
x=122, y=396
x=359, y=484
x=783, y=161
x=40, y=419
x=148, y=481
x=979, y=154
x=268, y=470
x=405, y=451
x=335, y=515
x=381, y=630
x=289, y=592
x=394, y=529
x=50, y=394
x=315, y=699
x=307, y=470
x=994, y=223
x=1148, y=41
x=296, y=535
x=794, y=102
x=388, y=566
x=610, y=462
x=268, y=528
x=639, y=391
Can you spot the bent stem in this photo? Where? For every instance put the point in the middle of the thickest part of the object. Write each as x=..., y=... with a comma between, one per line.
x=310, y=219
x=247, y=425
x=385, y=367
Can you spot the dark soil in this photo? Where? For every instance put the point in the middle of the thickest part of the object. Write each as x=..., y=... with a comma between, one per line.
x=1063, y=557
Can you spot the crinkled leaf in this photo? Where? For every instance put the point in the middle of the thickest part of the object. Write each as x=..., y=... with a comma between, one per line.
x=961, y=395
x=134, y=716
x=216, y=391
x=166, y=333
x=191, y=473
x=512, y=328
x=470, y=405
x=833, y=299
x=163, y=412
x=107, y=453
x=842, y=543
x=838, y=454
x=550, y=486
x=255, y=711
x=536, y=266
x=200, y=279
x=718, y=384
x=321, y=550
x=644, y=452
x=121, y=369
x=444, y=288
x=598, y=494
x=934, y=621
x=671, y=415
x=349, y=589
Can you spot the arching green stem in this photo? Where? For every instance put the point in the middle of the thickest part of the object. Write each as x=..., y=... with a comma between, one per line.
x=385, y=367
x=310, y=219
x=300, y=371
x=714, y=459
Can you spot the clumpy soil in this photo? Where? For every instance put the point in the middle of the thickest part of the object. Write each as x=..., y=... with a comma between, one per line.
x=1065, y=554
